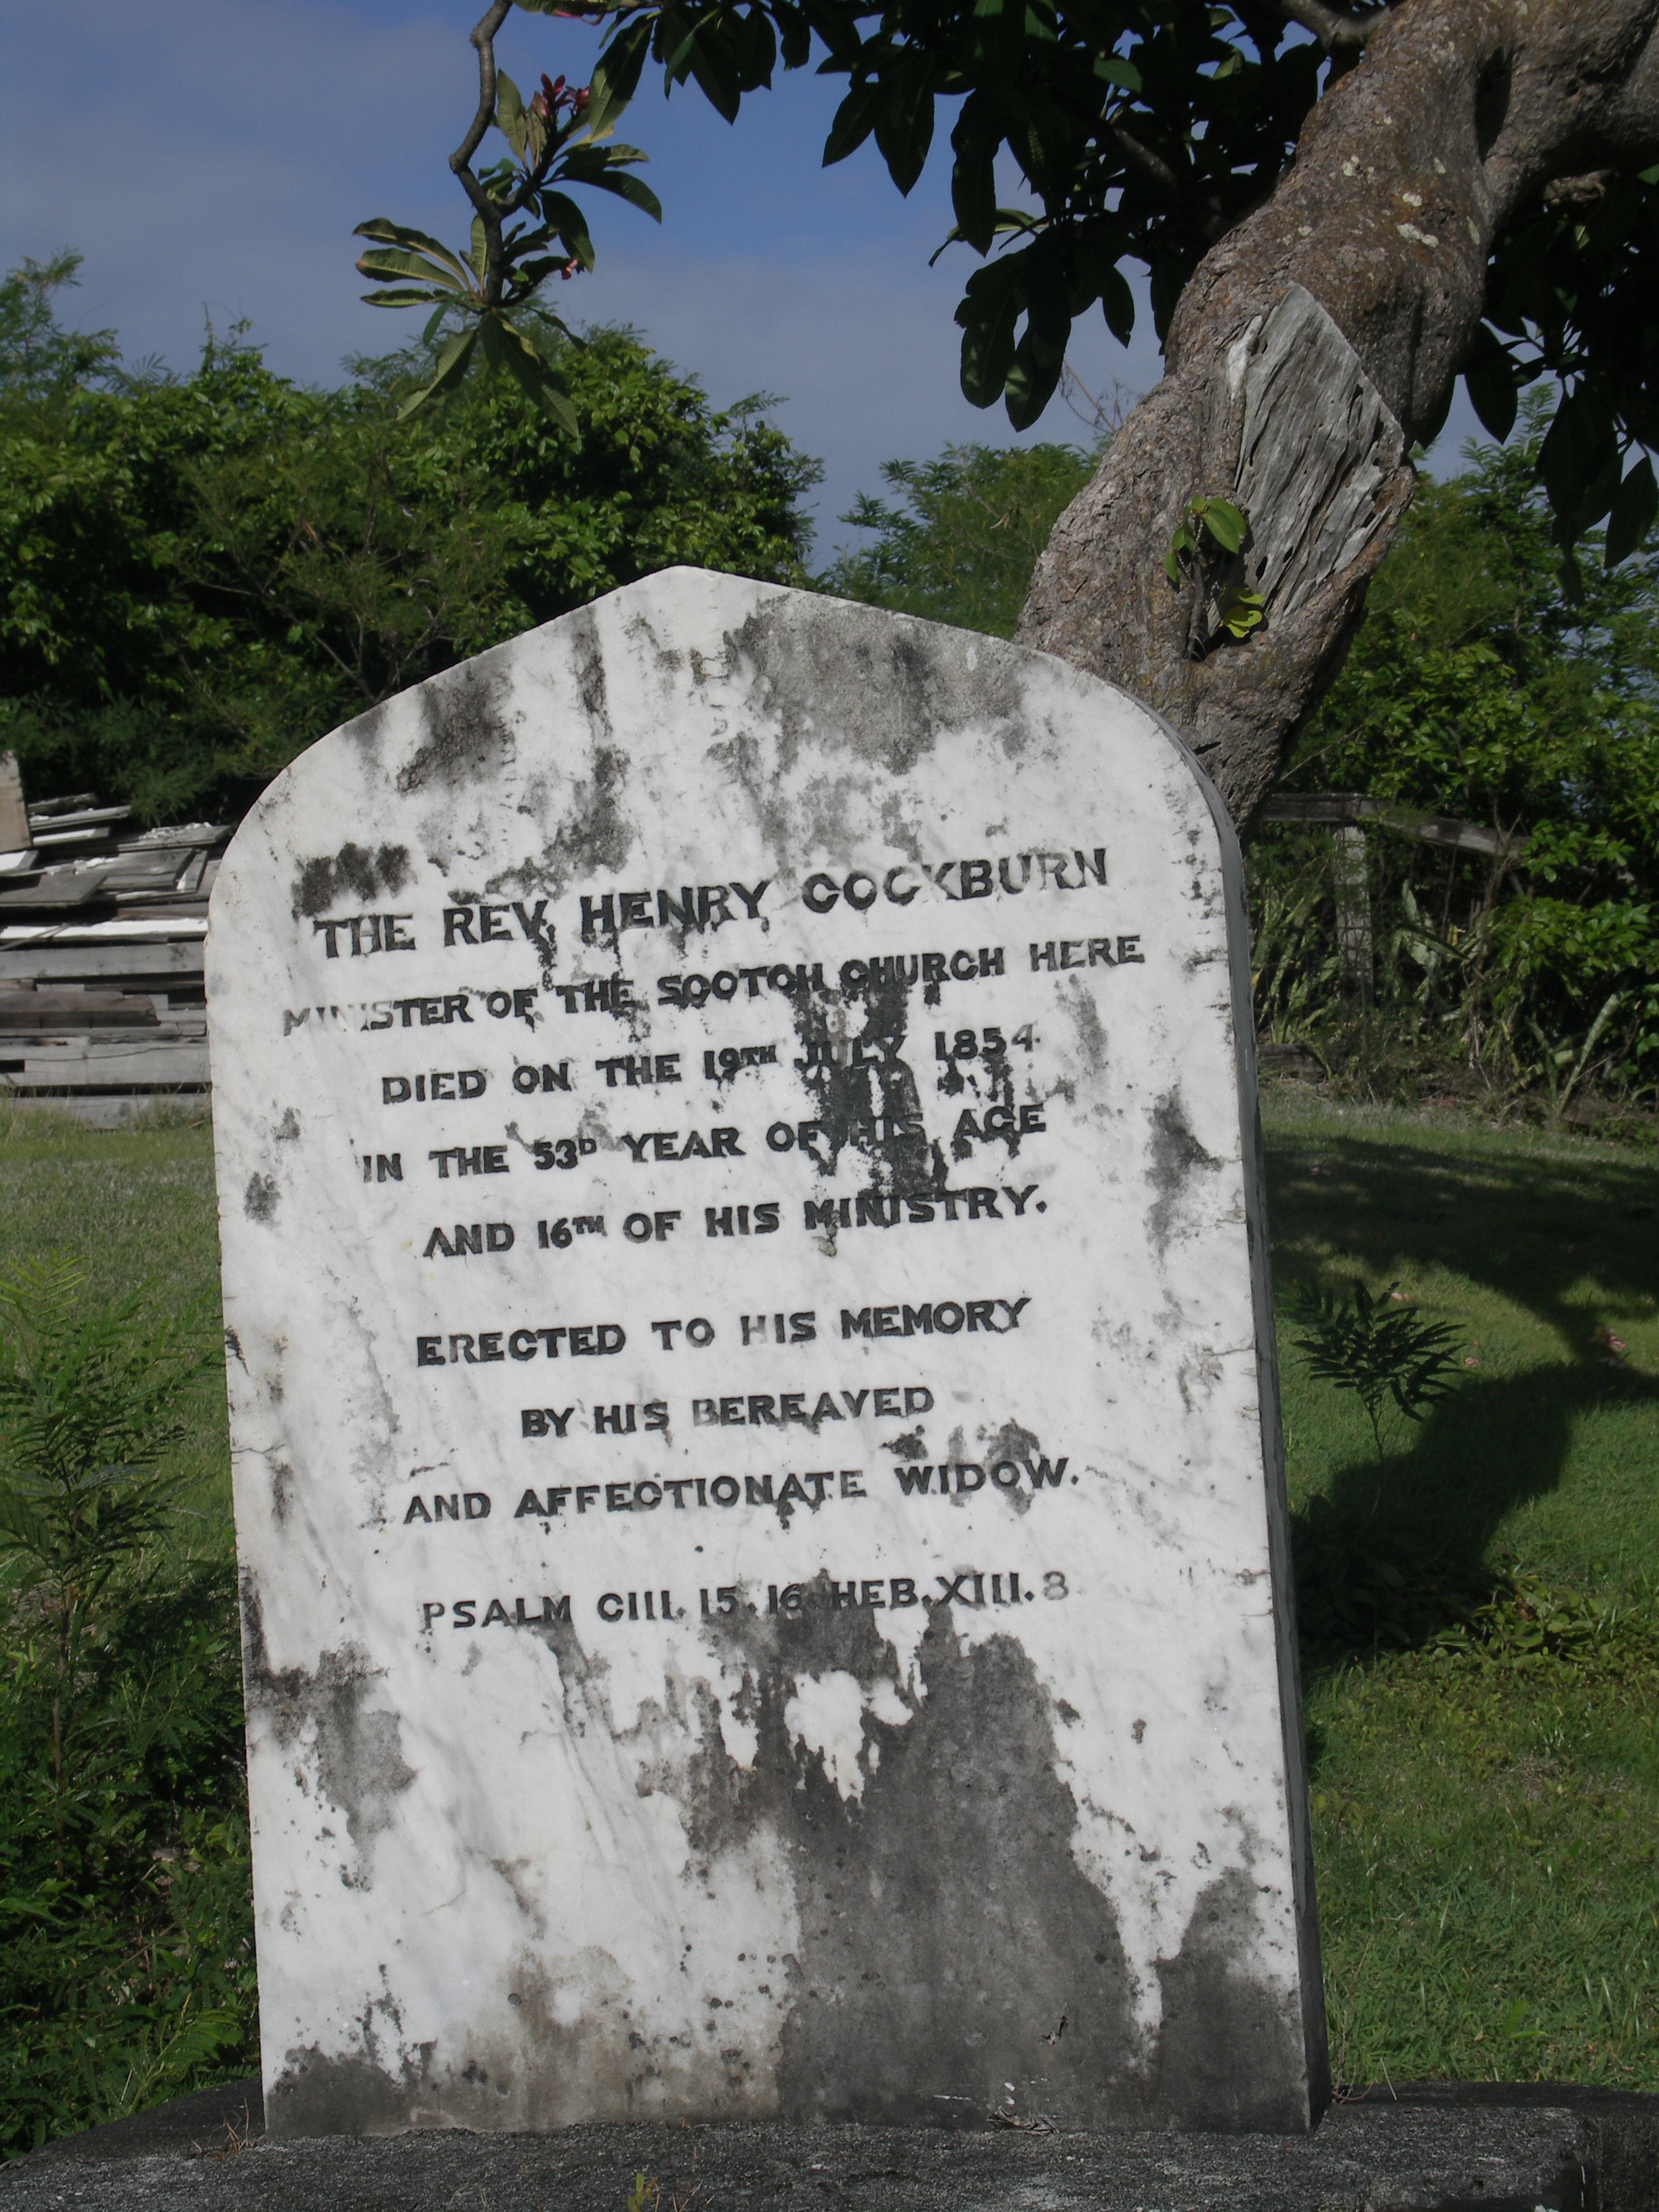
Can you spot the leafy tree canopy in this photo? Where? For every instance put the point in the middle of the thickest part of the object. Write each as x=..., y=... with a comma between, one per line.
x=200, y=575
x=1478, y=689
x=1142, y=131
x=39, y=358
x=959, y=543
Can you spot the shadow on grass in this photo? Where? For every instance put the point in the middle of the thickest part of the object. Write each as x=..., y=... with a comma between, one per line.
x=1529, y=1228
x=1389, y=1558
x=1387, y=1563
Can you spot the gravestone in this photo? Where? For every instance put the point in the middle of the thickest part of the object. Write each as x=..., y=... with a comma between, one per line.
x=751, y=1353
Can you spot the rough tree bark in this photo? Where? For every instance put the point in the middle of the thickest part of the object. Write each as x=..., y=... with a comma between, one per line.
x=1313, y=342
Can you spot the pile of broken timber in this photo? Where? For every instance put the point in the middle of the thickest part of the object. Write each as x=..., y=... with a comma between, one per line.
x=101, y=939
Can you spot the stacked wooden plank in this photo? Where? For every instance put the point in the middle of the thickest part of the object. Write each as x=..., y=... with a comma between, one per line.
x=101, y=938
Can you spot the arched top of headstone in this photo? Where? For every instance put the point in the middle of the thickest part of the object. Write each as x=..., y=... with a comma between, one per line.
x=784, y=706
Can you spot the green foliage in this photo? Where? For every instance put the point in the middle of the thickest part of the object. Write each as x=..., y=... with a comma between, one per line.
x=90, y=1394
x=1565, y=301
x=1477, y=689
x=126, y=1967
x=557, y=139
x=126, y=1949
x=1379, y=1352
x=1527, y=1622
x=39, y=359
x=1481, y=1653
x=199, y=577
x=89, y=1397
x=1214, y=537
x=961, y=546
x=1217, y=520
x=1142, y=134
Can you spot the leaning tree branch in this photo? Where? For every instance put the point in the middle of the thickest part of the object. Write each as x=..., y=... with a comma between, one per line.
x=483, y=38
x=460, y=161
x=1365, y=268
x=1333, y=28
x=1141, y=157
x=493, y=212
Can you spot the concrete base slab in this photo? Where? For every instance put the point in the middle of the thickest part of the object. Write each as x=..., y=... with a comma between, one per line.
x=1438, y=2148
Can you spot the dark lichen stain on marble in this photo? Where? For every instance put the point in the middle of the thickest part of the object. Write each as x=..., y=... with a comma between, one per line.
x=596, y=831
x=1230, y=2054
x=367, y=729
x=944, y=1923
x=281, y=1491
x=1079, y=1002
x=358, y=2093
x=1014, y=1446
x=588, y=655
x=875, y=1105
x=946, y=1927
x=360, y=1762
x=1177, y=1157
x=467, y=736
x=260, y=1200
x=354, y=876
x=949, y=1941
x=888, y=685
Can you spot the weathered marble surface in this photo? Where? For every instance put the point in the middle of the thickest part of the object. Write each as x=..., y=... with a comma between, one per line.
x=919, y=1804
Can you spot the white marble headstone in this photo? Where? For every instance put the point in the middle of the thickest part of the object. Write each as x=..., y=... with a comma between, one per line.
x=757, y=1463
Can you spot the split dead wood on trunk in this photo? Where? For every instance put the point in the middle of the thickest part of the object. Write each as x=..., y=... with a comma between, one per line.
x=1313, y=344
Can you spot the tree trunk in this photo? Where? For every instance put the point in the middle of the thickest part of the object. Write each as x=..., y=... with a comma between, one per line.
x=1314, y=342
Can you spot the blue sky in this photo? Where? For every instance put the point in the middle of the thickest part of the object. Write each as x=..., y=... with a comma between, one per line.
x=210, y=157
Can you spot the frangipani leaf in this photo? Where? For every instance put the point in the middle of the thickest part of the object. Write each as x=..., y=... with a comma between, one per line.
x=450, y=368
x=586, y=163
x=617, y=75
x=405, y=296
x=634, y=191
x=507, y=348
x=392, y=233
x=855, y=118
x=1634, y=506
x=571, y=224
x=510, y=118
x=398, y=262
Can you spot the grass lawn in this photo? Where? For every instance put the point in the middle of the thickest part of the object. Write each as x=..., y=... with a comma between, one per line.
x=1484, y=1821
x=1485, y=1810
